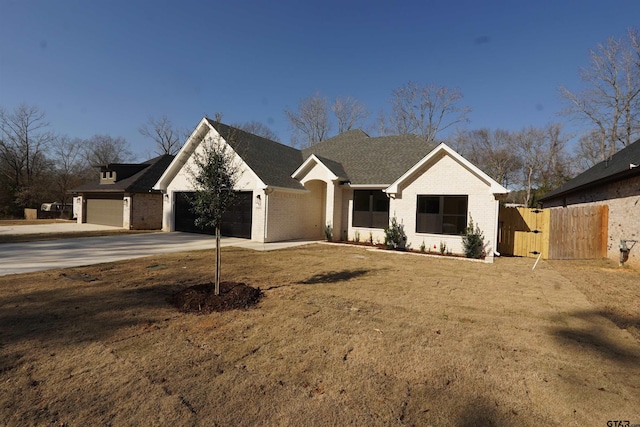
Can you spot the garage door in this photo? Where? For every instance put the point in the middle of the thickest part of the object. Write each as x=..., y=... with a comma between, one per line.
x=105, y=211
x=236, y=222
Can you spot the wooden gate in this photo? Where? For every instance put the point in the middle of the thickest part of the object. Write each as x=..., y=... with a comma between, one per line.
x=560, y=233
x=523, y=232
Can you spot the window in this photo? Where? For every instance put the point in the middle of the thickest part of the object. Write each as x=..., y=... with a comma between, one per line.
x=441, y=214
x=370, y=209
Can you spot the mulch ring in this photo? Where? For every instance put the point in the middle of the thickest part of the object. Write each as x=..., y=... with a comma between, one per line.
x=202, y=300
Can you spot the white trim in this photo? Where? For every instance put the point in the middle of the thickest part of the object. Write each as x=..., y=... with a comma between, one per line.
x=368, y=186
x=494, y=187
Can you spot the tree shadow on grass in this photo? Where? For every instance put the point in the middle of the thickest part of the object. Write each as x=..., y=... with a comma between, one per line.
x=76, y=313
x=594, y=337
x=334, y=276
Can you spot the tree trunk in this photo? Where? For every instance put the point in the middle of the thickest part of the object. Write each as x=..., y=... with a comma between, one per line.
x=217, y=280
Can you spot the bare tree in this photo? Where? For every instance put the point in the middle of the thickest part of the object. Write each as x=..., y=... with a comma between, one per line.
x=610, y=101
x=100, y=150
x=257, y=128
x=426, y=110
x=350, y=113
x=310, y=122
x=545, y=163
x=24, y=142
x=70, y=168
x=162, y=132
x=491, y=151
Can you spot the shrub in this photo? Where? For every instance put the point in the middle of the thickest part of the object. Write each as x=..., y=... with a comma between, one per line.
x=423, y=247
x=443, y=247
x=328, y=232
x=473, y=241
x=356, y=236
x=394, y=235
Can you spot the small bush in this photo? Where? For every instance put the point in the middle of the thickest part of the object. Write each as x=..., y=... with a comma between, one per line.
x=423, y=247
x=443, y=247
x=328, y=232
x=473, y=241
x=394, y=236
x=356, y=236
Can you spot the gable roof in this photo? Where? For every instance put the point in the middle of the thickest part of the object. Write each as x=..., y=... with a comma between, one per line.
x=139, y=177
x=366, y=160
x=273, y=162
x=618, y=167
x=435, y=155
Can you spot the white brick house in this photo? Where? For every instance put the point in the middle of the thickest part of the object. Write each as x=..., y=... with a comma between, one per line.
x=353, y=182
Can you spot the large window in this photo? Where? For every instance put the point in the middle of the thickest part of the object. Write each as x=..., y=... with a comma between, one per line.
x=441, y=214
x=370, y=209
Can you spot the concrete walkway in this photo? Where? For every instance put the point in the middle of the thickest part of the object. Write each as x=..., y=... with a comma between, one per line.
x=16, y=258
x=61, y=227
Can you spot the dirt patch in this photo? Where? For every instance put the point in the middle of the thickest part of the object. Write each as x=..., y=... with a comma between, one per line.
x=201, y=299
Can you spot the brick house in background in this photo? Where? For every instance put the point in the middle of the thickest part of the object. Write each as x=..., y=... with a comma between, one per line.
x=614, y=182
x=123, y=196
x=352, y=182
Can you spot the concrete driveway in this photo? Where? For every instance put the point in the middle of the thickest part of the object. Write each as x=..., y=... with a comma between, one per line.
x=26, y=257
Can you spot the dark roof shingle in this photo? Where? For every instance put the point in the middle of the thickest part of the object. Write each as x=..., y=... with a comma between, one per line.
x=615, y=168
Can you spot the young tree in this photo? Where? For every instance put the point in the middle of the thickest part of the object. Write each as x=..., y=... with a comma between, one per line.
x=214, y=174
x=610, y=100
x=161, y=131
x=310, y=122
x=426, y=110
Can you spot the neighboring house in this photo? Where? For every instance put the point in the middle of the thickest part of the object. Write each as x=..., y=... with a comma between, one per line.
x=353, y=182
x=614, y=182
x=124, y=196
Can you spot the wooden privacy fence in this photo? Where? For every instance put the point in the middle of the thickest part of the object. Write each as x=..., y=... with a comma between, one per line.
x=561, y=233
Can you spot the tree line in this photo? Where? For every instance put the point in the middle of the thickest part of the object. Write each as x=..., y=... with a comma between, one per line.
x=39, y=166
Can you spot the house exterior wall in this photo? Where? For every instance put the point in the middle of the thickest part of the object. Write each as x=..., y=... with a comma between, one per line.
x=247, y=181
x=145, y=211
x=296, y=215
x=447, y=177
x=623, y=199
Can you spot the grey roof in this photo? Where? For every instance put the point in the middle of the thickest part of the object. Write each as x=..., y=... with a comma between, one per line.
x=367, y=160
x=271, y=161
x=136, y=177
x=615, y=168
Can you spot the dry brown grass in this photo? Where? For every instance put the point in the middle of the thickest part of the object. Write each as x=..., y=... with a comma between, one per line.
x=343, y=336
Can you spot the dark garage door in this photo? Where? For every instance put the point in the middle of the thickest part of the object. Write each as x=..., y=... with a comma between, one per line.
x=236, y=222
x=105, y=211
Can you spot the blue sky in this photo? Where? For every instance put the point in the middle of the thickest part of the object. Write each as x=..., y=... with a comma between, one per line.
x=107, y=66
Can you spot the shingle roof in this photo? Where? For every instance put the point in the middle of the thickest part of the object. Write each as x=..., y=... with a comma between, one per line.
x=613, y=169
x=367, y=160
x=141, y=181
x=271, y=161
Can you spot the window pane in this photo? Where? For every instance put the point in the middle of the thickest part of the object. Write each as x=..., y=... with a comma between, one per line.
x=380, y=202
x=361, y=219
x=428, y=204
x=455, y=205
x=361, y=200
x=428, y=223
x=453, y=224
x=380, y=219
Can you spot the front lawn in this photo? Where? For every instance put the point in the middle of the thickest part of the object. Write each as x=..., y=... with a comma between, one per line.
x=342, y=336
